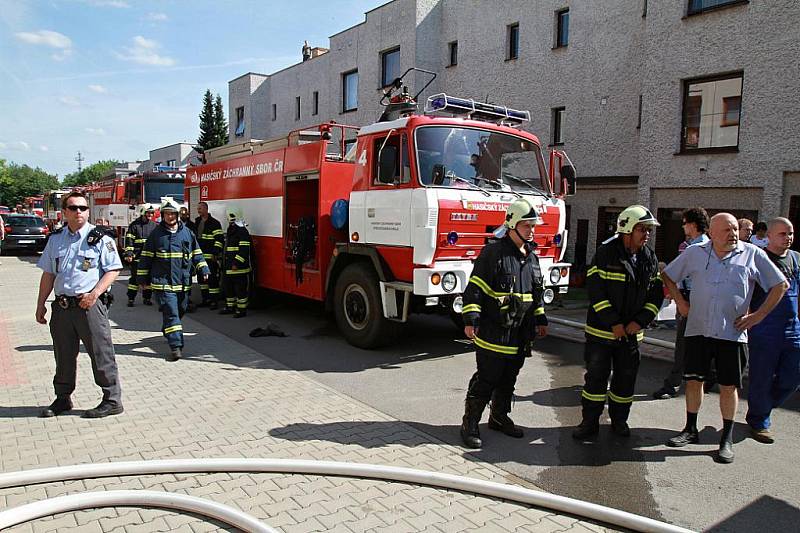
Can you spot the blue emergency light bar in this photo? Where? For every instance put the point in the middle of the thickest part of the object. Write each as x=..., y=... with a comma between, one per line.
x=475, y=110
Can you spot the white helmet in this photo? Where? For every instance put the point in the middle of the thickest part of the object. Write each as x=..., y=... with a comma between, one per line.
x=145, y=208
x=519, y=210
x=169, y=205
x=635, y=214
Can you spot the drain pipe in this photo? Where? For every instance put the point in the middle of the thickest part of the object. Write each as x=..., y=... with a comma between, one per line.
x=536, y=498
x=133, y=498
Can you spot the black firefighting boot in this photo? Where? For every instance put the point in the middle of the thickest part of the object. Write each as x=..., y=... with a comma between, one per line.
x=473, y=409
x=499, y=419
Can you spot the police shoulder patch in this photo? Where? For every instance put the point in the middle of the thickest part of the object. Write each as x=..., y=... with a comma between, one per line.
x=110, y=246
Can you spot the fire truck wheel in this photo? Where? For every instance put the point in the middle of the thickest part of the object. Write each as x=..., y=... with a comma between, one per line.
x=358, y=309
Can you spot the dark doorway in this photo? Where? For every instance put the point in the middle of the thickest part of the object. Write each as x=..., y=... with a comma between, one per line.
x=581, y=243
x=794, y=217
x=606, y=223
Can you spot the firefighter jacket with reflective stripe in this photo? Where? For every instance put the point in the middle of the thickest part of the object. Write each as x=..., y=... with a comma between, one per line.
x=621, y=290
x=503, y=298
x=167, y=259
x=138, y=232
x=212, y=239
x=237, y=251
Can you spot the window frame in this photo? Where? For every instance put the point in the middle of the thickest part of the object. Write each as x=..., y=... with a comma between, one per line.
x=452, y=53
x=687, y=83
x=315, y=103
x=274, y=112
x=724, y=5
x=240, y=124
x=386, y=53
x=562, y=38
x=345, y=76
x=403, y=157
x=557, y=116
x=512, y=41
x=297, y=103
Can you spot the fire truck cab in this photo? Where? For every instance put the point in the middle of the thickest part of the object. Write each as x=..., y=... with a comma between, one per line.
x=391, y=222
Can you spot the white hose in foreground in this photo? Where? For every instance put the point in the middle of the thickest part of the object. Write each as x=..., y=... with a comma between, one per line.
x=356, y=470
x=128, y=498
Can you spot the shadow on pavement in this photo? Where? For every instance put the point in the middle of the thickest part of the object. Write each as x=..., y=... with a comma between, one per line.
x=782, y=516
x=31, y=411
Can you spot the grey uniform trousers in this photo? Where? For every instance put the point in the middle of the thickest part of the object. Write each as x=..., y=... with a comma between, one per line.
x=68, y=328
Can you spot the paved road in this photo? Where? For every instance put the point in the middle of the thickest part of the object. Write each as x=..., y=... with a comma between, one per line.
x=421, y=381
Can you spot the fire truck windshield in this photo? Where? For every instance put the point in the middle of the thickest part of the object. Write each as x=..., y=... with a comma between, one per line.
x=459, y=157
x=155, y=188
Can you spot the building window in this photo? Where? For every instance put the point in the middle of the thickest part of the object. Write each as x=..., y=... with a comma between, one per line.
x=562, y=28
x=644, y=8
x=171, y=163
x=639, y=120
x=558, y=125
x=512, y=48
x=453, y=49
x=711, y=112
x=350, y=91
x=390, y=66
x=239, y=121
x=297, y=108
x=315, y=108
x=701, y=6
x=274, y=111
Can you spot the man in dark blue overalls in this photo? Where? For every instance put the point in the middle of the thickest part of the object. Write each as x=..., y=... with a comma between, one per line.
x=775, y=341
x=166, y=265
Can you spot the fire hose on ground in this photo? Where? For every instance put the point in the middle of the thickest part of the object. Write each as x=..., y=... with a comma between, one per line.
x=245, y=522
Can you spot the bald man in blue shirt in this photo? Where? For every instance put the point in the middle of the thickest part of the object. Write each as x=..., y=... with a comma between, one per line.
x=81, y=263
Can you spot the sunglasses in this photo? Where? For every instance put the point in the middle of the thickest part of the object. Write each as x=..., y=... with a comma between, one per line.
x=78, y=207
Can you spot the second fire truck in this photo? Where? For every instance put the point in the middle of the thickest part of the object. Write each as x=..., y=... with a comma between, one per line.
x=388, y=221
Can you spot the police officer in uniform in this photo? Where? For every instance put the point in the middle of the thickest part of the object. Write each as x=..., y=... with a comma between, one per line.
x=166, y=264
x=81, y=263
x=503, y=312
x=236, y=282
x=211, y=237
x=137, y=234
x=625, y=294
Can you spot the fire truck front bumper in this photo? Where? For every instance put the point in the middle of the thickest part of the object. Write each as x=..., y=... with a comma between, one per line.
x=442, y=279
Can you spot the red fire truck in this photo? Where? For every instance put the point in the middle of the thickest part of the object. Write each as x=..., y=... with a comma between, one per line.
x=388, y=223
x=34, y=205
x=119, y=200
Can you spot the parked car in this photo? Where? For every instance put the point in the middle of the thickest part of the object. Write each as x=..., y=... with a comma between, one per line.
x=24, y=232
x=4, y=210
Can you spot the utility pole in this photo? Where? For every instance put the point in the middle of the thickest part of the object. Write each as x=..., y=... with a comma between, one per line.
x=80, y=159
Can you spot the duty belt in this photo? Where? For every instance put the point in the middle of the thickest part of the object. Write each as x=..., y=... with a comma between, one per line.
x=65, y=302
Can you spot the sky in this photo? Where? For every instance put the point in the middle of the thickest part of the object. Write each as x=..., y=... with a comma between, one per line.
x=114, y=79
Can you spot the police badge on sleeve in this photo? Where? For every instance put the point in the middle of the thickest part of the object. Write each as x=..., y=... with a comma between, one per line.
x=110, y=246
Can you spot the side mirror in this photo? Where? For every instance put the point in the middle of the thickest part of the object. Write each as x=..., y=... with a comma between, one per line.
x=437, y=175
x=387, y=163
x=568, y=175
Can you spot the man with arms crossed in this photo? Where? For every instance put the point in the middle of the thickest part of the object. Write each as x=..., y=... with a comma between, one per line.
x=723, y=272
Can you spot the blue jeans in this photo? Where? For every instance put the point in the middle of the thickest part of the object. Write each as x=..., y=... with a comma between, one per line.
x=774, y=376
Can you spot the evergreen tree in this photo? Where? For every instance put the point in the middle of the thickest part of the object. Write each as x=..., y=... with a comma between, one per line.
x=220, y=124
x=207, y=136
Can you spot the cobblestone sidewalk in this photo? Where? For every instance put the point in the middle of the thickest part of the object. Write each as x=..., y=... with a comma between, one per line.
x=223, y=400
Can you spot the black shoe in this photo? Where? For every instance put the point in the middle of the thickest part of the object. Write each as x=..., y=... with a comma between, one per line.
x=147, y=302
x=227, y=311
x=502, y=422
x=470, y=436
x=213, y=306
x=103, y=410
x=725, y=453
x=240, y=314
x=586, y=430
x=683, y=438
x=174, y=354
x=665, y=393
x=621, y=429
x=130, y=303
x=62, y=404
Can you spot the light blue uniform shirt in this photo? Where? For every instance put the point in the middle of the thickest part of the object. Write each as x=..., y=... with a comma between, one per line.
x=65, y=256
x=686, y=284
x=722, y=288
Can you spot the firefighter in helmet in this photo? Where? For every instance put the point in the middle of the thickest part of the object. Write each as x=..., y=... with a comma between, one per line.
x=137, y=234
x=169, y=254
x=625, y=294
x=503, y=313
x=236, y=266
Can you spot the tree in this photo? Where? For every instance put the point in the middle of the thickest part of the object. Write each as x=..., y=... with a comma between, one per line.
x=220, y=124
x=93, y=172
x=19, y=181
x=207, y=131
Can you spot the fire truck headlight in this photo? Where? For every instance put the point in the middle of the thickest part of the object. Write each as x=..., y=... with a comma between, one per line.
x=555, y=275
x=548, y=296
x=449, y=282
x=458, y=304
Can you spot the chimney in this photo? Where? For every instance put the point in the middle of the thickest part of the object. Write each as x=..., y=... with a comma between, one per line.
x=306, y=51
